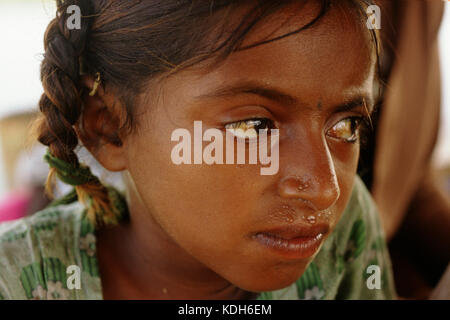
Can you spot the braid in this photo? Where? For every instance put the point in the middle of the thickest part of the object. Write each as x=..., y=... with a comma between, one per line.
x=61, y=104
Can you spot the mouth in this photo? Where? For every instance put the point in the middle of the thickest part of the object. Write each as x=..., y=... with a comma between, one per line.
x=293, y=241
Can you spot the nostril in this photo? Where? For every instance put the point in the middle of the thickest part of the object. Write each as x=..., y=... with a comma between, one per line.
x=318, y=194
x=293, y=187
x=328, y=197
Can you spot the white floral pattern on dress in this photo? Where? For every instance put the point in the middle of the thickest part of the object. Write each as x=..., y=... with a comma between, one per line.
x=56, y=291
x=314, y=293
x=39, y=293
x=87, y=243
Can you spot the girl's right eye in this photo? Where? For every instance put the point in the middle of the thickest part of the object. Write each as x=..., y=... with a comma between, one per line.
x=250, y=128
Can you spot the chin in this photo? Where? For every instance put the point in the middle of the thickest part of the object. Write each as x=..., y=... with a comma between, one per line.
x=276, y=280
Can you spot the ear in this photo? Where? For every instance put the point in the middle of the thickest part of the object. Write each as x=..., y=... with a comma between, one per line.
x=99, y=125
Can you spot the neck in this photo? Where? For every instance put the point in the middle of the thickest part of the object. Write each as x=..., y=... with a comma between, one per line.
x=139, y=260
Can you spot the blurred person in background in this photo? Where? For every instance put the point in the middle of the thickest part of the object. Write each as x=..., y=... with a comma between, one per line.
x=396, y=164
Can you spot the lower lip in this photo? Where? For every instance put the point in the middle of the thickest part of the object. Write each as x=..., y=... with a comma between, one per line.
x=296, y=248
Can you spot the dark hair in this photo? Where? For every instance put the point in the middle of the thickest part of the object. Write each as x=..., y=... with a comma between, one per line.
x=130, y=42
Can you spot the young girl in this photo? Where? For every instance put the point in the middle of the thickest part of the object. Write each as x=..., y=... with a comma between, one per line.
x=133, y=73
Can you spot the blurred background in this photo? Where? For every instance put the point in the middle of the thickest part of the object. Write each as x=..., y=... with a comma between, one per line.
x=23, y=23
x=23, y=173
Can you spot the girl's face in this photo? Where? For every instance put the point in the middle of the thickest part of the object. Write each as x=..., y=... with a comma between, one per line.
x=312, y=86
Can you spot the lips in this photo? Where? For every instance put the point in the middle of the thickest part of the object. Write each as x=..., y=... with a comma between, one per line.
x=293, y=241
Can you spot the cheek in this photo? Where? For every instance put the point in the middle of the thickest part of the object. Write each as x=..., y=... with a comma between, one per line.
x=197, y=205
x=345, y=159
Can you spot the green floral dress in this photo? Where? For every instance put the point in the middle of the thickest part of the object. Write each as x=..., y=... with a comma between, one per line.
x=36, y=253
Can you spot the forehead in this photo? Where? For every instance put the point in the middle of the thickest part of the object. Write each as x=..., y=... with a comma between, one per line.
x=327, y=62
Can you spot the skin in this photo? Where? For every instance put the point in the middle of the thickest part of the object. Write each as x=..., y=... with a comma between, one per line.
x=189, y=232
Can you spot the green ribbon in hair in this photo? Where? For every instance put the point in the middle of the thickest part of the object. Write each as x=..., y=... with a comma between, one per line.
x=68, y=173
x=76, y=176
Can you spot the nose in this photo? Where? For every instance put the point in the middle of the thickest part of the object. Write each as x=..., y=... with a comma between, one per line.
x=311, y=178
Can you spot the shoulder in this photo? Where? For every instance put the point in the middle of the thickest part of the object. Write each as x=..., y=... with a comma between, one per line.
x=31, y=232
x=37, y=250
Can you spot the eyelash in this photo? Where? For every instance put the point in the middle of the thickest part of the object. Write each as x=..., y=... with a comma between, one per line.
x=265, y=123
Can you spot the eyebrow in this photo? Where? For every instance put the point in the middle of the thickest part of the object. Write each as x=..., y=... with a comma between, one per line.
x=251, y=88
x=281, y=97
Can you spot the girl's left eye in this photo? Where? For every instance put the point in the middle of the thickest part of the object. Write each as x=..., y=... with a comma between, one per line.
x=346, y=130
x=249, y=128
